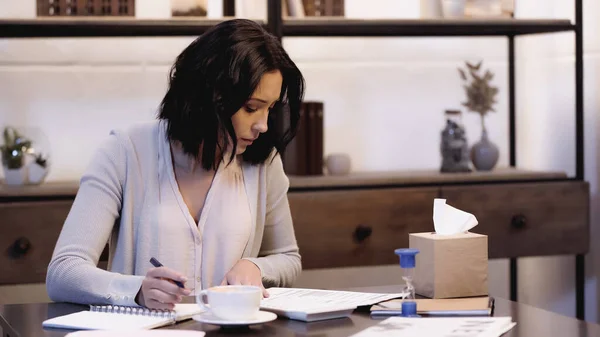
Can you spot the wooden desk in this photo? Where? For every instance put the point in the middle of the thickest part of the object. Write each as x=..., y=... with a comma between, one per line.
x=25, y=320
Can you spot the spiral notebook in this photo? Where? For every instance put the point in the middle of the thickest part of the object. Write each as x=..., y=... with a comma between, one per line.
x=114, y=317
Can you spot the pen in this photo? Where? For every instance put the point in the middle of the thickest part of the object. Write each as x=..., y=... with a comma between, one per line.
x=158, y=264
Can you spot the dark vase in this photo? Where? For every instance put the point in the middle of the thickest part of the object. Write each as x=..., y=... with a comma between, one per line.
x=454, y=147
x=484, y=153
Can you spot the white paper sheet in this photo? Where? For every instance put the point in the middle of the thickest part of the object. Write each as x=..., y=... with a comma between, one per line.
x=439, y=327
x=309, y=299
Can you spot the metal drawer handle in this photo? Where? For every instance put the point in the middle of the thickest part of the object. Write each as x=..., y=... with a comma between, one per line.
x=19, y=248
x=361, y=233
x=518, y=221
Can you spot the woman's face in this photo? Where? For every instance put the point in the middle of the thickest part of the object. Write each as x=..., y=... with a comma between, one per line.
x=251, y=120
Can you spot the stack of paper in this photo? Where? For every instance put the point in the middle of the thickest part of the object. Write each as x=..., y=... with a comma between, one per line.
x=442, y=327
x=316, y=304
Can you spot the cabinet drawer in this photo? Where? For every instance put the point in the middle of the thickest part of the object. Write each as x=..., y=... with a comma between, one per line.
x=29, y=231
x=358, y=227
x=528, y=219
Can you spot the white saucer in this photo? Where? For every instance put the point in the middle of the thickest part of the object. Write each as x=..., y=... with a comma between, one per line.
x=261, y=317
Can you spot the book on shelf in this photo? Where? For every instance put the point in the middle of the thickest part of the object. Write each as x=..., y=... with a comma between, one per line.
x=323, y=7
x=93, y=8
x=314, y=111
x=469, y=306
x=304, y=154
x=295, y=157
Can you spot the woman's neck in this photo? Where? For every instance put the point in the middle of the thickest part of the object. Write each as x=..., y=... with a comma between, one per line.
x=183, y=161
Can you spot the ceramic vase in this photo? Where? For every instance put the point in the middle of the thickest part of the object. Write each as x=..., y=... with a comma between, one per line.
x=484, y=153
x=37, y=173
x=15, y=177
x=25, y=156
x=338, y=164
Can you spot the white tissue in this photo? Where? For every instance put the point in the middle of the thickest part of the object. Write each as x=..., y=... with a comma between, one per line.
x=448, y=220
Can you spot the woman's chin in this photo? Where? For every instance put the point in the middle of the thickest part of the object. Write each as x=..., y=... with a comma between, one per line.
x=240, y=149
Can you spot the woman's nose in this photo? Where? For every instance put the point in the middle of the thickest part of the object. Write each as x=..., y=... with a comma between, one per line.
x=261, y=125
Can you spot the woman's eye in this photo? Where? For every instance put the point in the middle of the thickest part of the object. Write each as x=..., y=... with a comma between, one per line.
x=249, y=109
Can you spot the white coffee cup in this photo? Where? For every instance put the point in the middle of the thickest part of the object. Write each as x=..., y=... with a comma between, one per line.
x=231, y=302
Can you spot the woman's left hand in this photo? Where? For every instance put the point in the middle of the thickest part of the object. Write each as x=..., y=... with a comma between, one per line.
x=245, y=273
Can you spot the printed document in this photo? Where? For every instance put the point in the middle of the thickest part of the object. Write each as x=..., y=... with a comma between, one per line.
x=440, y=327
x=316, y=304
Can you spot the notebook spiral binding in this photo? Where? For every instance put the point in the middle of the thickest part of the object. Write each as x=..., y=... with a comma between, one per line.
x=119, y=309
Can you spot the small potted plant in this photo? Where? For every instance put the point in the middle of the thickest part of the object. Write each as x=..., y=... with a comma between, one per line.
x=14, y=150
x=481, y=97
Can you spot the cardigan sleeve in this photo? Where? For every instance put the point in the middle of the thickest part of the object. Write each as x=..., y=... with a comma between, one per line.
x=278, y=259
x=73, y=275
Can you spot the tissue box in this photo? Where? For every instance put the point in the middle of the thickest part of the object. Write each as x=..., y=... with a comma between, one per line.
x=450, y=266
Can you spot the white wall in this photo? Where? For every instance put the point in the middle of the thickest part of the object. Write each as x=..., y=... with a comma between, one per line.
x=382, y=96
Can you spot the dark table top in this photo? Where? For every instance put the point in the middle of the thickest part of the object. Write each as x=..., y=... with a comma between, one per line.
x=25, y=320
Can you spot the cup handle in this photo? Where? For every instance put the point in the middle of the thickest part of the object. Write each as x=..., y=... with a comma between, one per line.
x=200, y=300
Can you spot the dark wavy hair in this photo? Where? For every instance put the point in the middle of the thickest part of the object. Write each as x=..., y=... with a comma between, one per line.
x=214, y=77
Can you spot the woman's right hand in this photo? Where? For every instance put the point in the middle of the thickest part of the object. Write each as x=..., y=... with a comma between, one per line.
x=158, y=290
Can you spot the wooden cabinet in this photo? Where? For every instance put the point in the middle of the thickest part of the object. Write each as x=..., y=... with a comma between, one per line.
x=351, y=221
x=28, y=234
x=358, y=227
x=528, y=219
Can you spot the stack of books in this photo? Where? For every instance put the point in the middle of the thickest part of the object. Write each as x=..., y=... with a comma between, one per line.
x=304, y=155
x=469, y=306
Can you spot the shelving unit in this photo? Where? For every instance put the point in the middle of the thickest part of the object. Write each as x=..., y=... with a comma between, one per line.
x=324, y=27
x=327, y=27
x=104, y=27
x=510, y=28
x=423, y=27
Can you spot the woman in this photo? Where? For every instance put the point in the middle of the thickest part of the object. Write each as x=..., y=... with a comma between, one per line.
x=202, y=189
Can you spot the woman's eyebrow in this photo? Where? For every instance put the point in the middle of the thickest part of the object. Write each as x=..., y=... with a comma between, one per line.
x=258, y=99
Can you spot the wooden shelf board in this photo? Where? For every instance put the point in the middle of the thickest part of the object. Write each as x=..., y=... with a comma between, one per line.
x=326, y=26
x=422, y=27
x=106, y=27
x=395, y=178
x=421, y=177
x=49, y=189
